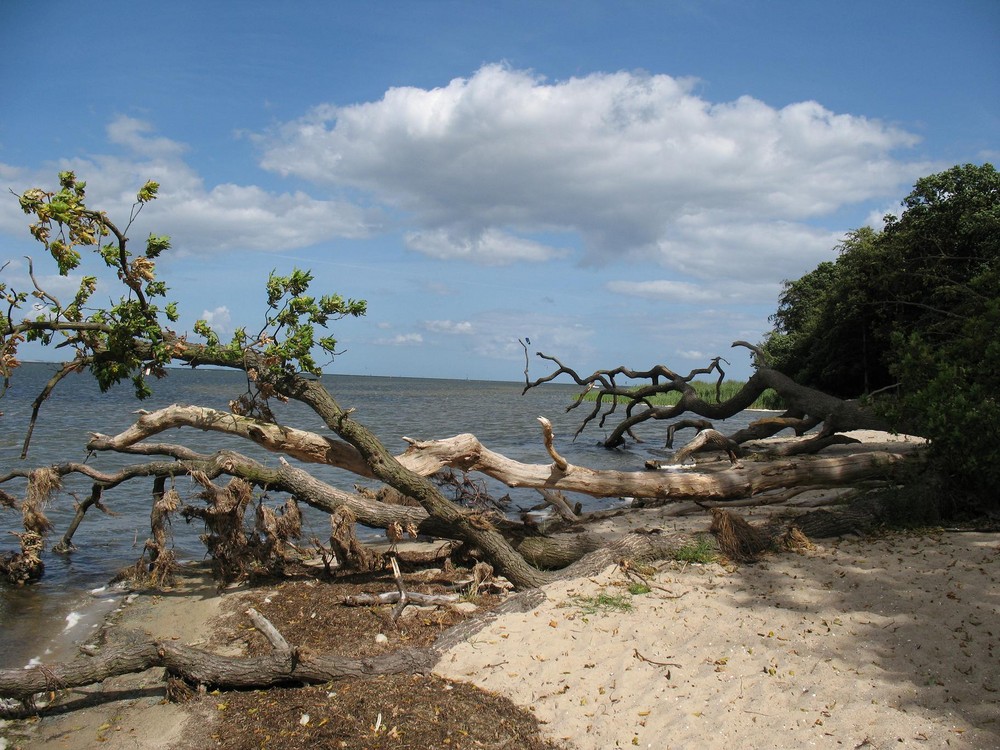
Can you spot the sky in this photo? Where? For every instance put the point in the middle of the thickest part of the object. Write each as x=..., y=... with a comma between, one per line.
x=621, y=183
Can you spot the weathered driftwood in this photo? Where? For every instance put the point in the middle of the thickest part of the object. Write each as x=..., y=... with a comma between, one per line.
x=467, y=453
x=132, y=654
x=706, y=440
x=710, y=483
x=300, y=444
x=393, y=597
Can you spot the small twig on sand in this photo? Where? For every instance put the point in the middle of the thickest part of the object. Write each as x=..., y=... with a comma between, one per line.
x=640, y=657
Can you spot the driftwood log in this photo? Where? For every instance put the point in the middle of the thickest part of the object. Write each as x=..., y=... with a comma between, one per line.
x=127, y=652
x=130, y=653
x=467, y=453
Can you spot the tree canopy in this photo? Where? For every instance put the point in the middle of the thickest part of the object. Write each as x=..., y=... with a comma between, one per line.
x=913, y=308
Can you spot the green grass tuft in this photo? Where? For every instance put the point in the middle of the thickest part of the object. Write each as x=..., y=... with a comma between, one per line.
x=603, y=602
x=700, y=551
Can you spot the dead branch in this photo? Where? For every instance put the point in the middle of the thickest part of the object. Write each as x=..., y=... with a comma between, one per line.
x=697, y=424
x=40, y=399
x=300, y=444
x=805, y=404
x=561, y=463
x=558, y=502
x=199, y=667
x=709, y=440
x=273, y=635
x=347, y=550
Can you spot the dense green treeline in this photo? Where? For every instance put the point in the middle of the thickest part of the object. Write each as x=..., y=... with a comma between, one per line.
x=911, y=313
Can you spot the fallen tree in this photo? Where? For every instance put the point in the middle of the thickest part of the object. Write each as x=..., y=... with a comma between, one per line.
x=117, y=651
x=133, y=339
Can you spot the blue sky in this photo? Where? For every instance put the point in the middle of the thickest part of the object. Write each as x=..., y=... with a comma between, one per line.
x=621, y=182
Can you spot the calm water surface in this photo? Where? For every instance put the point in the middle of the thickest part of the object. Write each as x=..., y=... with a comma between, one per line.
x=496, y=412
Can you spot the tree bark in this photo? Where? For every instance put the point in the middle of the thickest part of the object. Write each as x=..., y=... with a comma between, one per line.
x=134, y=654
x=808, y=407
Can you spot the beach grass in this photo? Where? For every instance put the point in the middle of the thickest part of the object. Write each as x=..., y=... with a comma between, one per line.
x=603, y=602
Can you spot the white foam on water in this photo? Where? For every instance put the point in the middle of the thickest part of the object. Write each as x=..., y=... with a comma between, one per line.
x=72, y=619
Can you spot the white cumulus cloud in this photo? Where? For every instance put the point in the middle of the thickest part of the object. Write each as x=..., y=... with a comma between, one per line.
x=401, y=339
x=490, y=246
x=631, y=164
x=199, y=218
x=663, y=289
x=219, y=319
x=463, y=327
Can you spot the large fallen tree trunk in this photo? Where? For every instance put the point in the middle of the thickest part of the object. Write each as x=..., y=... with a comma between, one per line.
x=467, y=453
x=132, y=654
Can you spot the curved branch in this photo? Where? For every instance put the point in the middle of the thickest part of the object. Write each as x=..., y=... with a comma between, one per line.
x=299, y=444
x=808, y=406
x=36, y=405
x=41, y=292
x=561, y=463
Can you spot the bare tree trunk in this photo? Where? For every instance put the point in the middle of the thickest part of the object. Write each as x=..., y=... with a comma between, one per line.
x=134, y=654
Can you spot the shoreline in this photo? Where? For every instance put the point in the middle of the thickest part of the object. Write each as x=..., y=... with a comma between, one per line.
x=131, y=710
x=891, y=640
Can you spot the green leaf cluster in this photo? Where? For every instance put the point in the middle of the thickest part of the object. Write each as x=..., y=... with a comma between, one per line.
x=130, y=338
x=64, y=224
x=287, y=342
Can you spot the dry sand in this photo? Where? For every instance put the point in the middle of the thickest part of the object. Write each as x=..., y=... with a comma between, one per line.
x=893, y=643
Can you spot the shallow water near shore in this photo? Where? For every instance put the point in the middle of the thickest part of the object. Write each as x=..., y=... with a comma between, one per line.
x=33, y=618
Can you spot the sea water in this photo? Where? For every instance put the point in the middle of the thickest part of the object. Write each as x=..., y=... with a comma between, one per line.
x=71, y=596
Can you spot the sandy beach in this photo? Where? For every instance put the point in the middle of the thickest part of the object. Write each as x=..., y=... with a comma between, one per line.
x=861, y=643
x=856, y=643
